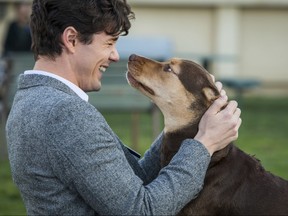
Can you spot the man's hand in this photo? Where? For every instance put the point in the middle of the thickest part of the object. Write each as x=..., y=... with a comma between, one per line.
x=219, y=127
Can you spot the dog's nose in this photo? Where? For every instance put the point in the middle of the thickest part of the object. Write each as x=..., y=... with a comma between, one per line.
x=132, y=57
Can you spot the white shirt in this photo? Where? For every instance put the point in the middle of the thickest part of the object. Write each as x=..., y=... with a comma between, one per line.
x=71, y=85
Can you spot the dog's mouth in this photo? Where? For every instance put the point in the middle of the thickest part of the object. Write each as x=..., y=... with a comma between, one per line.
x=138, y=85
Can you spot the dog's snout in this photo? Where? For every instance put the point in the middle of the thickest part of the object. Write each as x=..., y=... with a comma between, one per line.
x=132, y=57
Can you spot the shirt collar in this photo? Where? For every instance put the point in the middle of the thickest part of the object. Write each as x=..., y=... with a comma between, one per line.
x=71, y=85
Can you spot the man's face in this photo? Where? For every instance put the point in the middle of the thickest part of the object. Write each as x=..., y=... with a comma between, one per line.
x=92, y=60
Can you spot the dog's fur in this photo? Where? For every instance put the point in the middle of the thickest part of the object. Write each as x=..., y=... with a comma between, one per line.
x=235, y=183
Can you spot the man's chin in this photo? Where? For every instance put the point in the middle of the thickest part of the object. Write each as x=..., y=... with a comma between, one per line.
x=93, y=89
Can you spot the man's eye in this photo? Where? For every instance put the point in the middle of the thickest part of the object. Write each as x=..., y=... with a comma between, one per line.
x=110, y=43
x=167, y=68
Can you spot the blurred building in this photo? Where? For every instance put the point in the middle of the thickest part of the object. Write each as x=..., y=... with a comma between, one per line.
x=233, y=38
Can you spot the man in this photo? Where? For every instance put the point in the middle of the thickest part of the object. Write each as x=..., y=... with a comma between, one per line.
x=64, y=157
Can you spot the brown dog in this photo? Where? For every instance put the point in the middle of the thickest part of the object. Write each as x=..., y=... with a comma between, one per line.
x=235, y=183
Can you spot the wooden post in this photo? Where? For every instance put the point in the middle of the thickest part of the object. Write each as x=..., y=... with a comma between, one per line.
x=135, y=131
x=156, y=121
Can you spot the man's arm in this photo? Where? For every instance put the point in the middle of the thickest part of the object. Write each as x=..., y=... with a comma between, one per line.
x=87, y=158
x=150, y=162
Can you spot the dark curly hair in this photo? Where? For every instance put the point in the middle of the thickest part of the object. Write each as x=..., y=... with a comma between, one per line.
x=49, y=19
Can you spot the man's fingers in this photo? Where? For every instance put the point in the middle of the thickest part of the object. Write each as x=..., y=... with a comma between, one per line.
x=219, y=86
x=213, y=77
x=231, y=107
x=239, y=124
x=218, y=104
x=223, y=92
x=236, y=129
x=237, y=112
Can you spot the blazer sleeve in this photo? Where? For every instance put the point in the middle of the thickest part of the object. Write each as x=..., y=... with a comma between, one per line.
x=150, y=162
x=86, y=157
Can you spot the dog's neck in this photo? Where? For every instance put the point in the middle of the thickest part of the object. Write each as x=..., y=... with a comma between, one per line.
x=172, y=141
x=176, y=122
x=173, y=137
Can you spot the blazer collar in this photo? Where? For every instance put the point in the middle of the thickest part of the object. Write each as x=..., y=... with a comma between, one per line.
x=32, y=80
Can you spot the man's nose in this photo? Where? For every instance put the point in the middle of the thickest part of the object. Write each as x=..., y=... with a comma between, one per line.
x=114, y=56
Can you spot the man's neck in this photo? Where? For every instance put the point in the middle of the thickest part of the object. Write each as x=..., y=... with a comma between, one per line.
x=58, y=66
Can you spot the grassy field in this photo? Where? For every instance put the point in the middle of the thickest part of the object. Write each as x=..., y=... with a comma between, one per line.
x=263, y=133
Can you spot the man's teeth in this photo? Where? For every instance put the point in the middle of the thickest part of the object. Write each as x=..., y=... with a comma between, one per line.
x=102, y=69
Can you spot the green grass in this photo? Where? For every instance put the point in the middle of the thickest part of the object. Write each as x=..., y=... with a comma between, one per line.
x=263, y=133
x=10, y=200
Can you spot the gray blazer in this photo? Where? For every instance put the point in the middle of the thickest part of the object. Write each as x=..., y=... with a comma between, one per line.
x=66, y=160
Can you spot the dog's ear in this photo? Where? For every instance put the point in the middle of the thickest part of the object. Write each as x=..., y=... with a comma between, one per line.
x=210, y=94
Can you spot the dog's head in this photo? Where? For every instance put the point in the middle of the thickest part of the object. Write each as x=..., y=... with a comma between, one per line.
x=182, y=89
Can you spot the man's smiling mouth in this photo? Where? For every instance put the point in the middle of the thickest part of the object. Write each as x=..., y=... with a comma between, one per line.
x=102, y=69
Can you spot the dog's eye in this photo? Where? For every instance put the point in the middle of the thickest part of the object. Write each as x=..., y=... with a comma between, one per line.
x=167, y=68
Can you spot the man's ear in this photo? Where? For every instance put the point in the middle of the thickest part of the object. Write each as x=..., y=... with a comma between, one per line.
x=70, y=39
